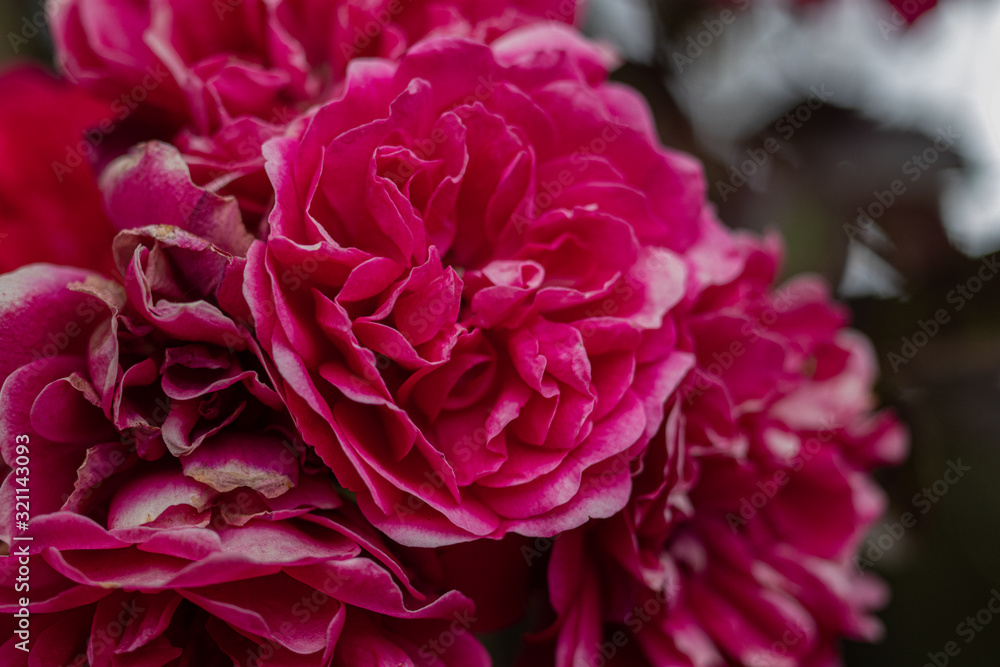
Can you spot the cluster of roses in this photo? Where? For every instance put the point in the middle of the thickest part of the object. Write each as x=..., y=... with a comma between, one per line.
x=409, y=329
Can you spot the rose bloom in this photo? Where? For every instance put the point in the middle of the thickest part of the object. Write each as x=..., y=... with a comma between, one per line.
x=738, y=544
x=50, y=206
x=466, y=285
x=218, y=78
x=176, y=517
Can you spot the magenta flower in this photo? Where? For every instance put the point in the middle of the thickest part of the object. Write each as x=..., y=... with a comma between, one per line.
x=738, y=544
x=406, y=295
x=50, y=207
x=467, y=281
x=222, y=77
x=170, y=493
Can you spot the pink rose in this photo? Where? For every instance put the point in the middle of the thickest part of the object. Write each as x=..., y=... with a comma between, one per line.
x=50, y=207
x=223, y=76
x=738, y=544
x=170, y=493
x=467, y=284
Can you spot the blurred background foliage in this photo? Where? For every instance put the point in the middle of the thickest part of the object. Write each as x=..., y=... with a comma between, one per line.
x=731, y=96
x=721, y=78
